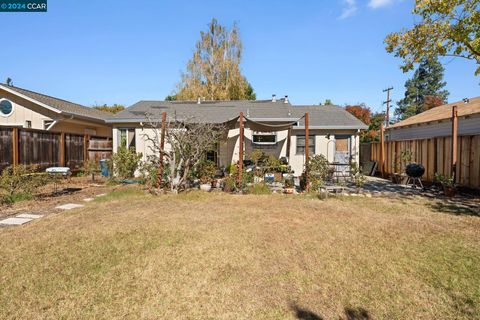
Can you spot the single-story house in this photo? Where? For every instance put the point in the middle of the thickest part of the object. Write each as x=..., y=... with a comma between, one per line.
x=437, y=122
x=274, y=126
x=27, y=109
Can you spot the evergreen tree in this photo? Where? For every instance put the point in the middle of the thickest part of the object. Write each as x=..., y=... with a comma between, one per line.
x=427, y=81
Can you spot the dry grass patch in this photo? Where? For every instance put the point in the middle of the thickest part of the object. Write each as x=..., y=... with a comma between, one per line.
x=204, y=256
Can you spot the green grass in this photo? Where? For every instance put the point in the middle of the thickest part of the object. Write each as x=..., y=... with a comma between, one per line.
x=197, y=255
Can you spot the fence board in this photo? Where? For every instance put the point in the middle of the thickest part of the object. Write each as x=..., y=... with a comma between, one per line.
x=6, y=147
x=436, y=156
x=43, y=148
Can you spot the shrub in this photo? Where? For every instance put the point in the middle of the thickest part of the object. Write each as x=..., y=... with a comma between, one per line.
x=20, y=184
x=318, y=171
x=125, y=162
x=205, y=171
x=259, y=188
x=229, y=184
x=90, y=167
x=358, y=177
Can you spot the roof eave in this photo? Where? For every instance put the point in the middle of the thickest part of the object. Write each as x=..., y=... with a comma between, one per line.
x=18, y=94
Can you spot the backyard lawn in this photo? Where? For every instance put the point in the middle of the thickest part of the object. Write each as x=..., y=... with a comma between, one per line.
x=220, y=256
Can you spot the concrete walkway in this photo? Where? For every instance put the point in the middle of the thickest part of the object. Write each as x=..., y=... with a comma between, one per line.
x=24, y=218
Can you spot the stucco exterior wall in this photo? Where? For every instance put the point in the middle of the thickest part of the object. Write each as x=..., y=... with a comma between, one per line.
x=228, y=148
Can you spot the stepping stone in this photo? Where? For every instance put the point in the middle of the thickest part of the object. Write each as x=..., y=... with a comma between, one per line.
x=14, y=221
x=100, y=195
x=69, y=206
x=29, y=216
x=88, y=199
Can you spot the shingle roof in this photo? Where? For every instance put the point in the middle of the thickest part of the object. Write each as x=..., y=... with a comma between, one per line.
x=63, y=106
x=221, y=111
x=441, y=113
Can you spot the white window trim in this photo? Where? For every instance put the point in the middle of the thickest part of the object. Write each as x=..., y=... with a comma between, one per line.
x=255, y=133
x=11, y=112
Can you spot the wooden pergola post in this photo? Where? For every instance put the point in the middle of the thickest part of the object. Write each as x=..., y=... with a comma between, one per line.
x=162, y=146
x=454, y=141
x=240, y=153
x=307, y=156
x=382, y=149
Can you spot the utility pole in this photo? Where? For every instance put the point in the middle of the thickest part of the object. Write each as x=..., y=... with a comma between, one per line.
x=387, y=115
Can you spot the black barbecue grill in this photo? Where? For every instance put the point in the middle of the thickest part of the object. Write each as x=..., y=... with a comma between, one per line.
x=414, y=172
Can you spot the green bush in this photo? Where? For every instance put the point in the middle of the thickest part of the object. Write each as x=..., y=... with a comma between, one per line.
x=20, y=183
x=125, y=162
x=259, y=188
x=205, y=171
x=318, y=171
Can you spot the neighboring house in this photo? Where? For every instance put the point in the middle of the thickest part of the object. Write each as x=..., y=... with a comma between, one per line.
x=28, y=109
x=274, y=126
x=437, y=122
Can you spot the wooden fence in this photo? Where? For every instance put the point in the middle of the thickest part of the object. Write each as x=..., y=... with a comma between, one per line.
x=435, y=154
x=47, y=149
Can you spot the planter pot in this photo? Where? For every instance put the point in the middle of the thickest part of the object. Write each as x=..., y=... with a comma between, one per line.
x=449, y=191
x=289, y=190
x=206, y=187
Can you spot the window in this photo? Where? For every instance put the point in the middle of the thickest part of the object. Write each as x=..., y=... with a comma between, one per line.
x=28, y=124
x=301, y=144
x=264, y=138
x=6, y=108
x=126, y=138
x=341, y=143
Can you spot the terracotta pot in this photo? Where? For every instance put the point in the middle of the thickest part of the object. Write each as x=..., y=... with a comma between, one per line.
x=289, y=190
x=449, y=191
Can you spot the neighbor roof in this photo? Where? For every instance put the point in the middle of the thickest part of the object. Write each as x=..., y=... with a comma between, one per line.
x=328, y=116
x=442, y=112
x=63, y=106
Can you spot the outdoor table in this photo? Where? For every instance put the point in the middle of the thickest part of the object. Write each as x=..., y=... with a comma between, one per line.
x=56, y=172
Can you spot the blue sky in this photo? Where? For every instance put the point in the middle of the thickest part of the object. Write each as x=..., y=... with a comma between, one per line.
x=96, y=52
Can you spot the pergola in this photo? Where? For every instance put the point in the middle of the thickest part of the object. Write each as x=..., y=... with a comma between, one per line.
x=286, y=124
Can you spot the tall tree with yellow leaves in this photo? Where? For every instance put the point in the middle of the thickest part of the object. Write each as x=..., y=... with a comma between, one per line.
x=214, y=71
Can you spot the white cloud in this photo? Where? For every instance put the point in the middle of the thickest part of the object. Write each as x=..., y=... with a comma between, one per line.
x=349, y=9
x=375, y=4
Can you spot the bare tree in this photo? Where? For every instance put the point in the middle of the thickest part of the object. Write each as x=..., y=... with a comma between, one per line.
x=186, y=143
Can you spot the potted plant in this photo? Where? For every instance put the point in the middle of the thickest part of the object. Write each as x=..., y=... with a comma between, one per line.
x=358, y=177
x=206, y=172
x=448, y=184
x=229, y=184
x=289, y=185
x=400, y=162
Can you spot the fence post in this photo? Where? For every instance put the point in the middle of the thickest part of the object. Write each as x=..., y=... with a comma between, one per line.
x=454, y=141
x=15, y=139
x=382, y=150
x=86, y=141
x=62, y=149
